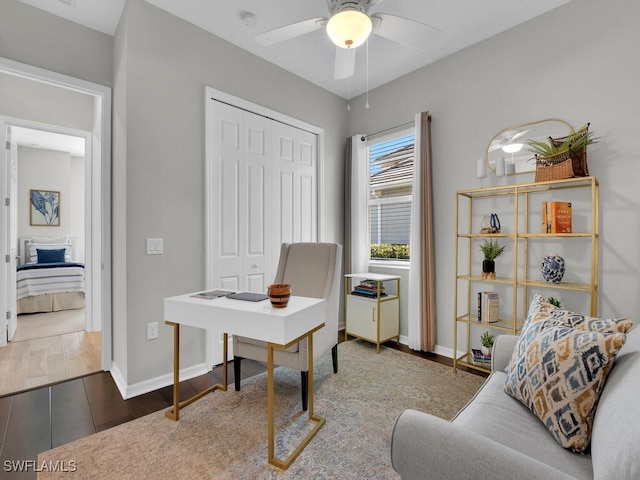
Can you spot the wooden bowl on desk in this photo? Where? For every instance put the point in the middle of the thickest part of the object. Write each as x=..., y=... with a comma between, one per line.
x=279, y=294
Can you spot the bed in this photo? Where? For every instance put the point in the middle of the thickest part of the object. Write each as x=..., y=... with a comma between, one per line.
x=48, y=278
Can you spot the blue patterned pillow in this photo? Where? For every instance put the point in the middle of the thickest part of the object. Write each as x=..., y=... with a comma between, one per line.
x=558, y=369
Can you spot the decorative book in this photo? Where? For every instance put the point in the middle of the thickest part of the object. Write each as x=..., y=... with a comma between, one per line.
x=556, y=217
x=488, y=307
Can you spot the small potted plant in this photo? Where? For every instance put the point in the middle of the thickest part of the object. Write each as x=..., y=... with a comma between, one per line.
x=486, y=340
x=491, y=250
x=555, y=302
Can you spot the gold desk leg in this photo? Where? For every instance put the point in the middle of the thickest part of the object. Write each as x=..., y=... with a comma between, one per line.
x=320, y=421
x=174, y=412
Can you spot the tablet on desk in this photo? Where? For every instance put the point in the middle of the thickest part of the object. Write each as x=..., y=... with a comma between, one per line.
x=213, y=294
x=249, y=296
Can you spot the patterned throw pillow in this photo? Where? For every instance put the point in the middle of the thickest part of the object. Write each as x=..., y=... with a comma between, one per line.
x=559, y=368
x=540, y=310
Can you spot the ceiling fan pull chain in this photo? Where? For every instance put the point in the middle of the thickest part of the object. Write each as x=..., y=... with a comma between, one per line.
x=366, y=105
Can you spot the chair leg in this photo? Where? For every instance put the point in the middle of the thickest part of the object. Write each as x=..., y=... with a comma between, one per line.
x=304, y=377
x=334, y=357
x=236, y=372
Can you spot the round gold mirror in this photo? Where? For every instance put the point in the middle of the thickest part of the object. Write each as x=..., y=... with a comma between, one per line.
x=508, y=152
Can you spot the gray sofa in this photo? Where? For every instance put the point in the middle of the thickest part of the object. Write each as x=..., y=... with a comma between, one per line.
x=494, y=436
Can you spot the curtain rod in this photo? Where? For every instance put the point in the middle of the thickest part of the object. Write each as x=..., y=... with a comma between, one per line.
x=397, y=127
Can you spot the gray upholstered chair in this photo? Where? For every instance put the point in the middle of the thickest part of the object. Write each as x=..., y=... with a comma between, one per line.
x=313, y=270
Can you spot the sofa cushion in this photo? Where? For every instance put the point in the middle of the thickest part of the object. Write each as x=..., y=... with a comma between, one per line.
x=499, y=417
x=616, y=426
x=559, y=368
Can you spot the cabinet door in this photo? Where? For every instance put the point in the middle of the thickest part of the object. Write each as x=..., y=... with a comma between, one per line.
x=389, y=319
x=361, y=317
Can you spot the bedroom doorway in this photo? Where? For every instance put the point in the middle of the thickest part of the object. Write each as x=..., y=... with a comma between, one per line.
x=36, y=99
x=49, y=332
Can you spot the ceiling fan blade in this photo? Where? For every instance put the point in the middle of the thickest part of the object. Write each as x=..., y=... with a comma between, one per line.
x=288, y=32
x=345, y=63
x=405, y=31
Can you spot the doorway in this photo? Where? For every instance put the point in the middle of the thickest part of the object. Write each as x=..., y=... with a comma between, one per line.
x=97, y=228
x=49, y=334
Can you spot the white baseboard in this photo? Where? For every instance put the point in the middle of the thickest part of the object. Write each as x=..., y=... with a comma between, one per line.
x=440, y=350
x=129, y=391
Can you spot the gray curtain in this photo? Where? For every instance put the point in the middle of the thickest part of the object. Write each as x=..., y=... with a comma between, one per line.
x=422, y=308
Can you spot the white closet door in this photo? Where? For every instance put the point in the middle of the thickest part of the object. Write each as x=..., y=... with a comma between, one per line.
x=241, y=145
x=257, y=269
x=226, y=169
x=294, y=206
x=262, y=192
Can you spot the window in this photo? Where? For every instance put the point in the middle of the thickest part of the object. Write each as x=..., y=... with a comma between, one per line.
x=389, y=204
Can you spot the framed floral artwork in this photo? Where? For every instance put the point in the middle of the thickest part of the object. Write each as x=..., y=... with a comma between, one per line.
x=45, y=208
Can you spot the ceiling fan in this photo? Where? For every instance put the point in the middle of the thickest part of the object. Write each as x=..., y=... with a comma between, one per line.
x=506, y=138
x=349, y=25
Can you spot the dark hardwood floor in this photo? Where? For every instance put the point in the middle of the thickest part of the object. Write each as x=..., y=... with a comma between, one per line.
x=46, y=417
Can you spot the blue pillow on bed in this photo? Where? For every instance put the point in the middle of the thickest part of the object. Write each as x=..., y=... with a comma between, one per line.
x=50, y=256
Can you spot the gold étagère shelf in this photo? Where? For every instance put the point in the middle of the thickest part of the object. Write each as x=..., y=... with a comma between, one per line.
x=519, y=276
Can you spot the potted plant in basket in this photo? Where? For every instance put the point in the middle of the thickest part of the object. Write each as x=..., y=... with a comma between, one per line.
x=491, y=250
x=486, y=340
x=554, y=152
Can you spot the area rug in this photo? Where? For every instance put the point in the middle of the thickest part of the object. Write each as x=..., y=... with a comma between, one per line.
x=224, y=434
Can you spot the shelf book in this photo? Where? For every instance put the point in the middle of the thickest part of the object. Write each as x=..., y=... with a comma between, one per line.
x=488, y=307
x=368, y=288
x=556, y=217
x=480, y=359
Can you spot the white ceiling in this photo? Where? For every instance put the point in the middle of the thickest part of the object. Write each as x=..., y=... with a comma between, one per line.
x=27, y=137
x=463, y=23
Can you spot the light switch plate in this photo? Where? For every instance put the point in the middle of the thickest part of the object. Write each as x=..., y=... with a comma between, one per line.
x=154, y=246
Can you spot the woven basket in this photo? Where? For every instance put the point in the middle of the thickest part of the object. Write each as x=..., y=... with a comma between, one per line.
x=554, y=167
x=565, y=164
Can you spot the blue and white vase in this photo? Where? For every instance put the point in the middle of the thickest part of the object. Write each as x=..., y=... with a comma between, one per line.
x=553, y=268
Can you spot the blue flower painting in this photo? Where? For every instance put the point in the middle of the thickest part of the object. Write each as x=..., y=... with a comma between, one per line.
x=45, y=208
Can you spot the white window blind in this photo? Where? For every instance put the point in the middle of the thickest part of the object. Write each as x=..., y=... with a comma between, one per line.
x=389, y=204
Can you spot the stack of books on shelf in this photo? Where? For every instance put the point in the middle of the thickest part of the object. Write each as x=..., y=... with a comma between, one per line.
x=556, y=217
x=368, y=288
x=488, y=307
x=480, y=359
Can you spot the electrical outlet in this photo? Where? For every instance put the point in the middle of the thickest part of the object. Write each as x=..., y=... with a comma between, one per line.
x=152, y=330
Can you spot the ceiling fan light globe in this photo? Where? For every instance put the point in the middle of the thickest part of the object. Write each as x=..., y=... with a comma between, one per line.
x=349, y=28
x=512, y=147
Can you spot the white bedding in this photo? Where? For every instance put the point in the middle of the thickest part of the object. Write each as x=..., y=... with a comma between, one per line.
x=65, y=278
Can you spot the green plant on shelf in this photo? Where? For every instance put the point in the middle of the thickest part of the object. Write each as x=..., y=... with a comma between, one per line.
x=554, y=301
x=574, y=143
x=491, y=249
x=486, y=339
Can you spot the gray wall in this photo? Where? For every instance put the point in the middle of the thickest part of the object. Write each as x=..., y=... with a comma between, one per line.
x=29, y=100
x=162, y=67
x=30, y=35
x=578, y=63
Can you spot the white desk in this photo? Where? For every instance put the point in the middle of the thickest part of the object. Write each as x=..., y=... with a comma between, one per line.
x=279, y=327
